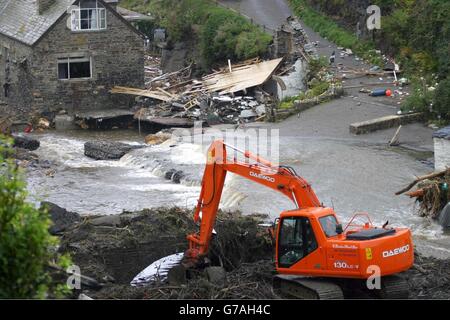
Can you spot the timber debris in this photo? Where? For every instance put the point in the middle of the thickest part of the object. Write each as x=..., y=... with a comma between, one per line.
x=232, y=94
x=432, y=193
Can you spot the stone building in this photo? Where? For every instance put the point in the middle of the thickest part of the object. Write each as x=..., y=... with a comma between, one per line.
x=441, y=140
x=66, y=55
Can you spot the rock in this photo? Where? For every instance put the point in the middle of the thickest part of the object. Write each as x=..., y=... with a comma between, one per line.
x=82, y=296
x=247, y=114
x=260, y=110
x=25, y=155
x=61, y=218
x=65, y=122
x=158, y=138
x=105, y=150
x=108, y=221
x=174, y=175
x=177, y=176
x=26, y=143
x=444, y=217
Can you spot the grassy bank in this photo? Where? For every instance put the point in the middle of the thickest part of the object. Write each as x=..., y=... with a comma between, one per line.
x=223, y=34
x=329, y=29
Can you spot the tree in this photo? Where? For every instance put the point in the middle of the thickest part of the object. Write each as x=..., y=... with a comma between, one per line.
x=25, y=243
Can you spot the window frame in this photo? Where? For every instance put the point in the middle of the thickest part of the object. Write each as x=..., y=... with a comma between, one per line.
x=321, y=219
x=304, y=245
x=101, y=19
x=77, y=59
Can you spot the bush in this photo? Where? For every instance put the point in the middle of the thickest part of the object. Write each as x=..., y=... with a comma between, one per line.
x=420, y=99
x=442, y=100
x=226, y=35
x=223, y=33
x=25, y=244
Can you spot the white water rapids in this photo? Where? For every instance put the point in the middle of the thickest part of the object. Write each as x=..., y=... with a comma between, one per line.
x=350, y=178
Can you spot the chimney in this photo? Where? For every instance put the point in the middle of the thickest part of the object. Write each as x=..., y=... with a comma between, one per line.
x=44, y=5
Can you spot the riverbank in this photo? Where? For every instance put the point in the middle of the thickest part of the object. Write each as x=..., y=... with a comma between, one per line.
x=114, y=249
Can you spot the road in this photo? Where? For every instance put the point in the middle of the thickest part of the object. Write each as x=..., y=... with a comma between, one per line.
x=269, y=13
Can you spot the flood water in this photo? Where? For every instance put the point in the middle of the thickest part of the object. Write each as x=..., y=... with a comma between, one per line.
x=346, y=174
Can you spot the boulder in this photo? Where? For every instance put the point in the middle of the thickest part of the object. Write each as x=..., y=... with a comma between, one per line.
x=26, y=143
x=103, y=150
x=61, y=218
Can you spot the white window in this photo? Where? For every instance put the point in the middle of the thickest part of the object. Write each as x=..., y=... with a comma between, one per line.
x=90, y=16
x=74, y=68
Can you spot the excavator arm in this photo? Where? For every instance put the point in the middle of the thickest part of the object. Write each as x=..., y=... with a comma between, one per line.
x=280, y=178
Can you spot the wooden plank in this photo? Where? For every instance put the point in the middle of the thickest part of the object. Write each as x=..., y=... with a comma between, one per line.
x=242, y=78
x=140, y=92
x=171, y=122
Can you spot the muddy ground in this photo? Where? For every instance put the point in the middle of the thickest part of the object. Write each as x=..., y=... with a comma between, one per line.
x=113, y=249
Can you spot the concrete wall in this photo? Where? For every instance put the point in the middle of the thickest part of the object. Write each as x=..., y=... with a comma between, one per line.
x=441, y=153
x=117, y=56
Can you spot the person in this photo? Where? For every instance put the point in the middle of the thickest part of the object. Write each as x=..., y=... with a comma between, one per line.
x=332, y=58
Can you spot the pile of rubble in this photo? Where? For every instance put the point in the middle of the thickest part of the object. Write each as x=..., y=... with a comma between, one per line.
x=302, y=42
x=231, y=95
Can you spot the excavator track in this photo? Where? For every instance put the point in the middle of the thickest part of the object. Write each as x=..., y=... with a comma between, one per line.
x=307, y=288
x=394, y=287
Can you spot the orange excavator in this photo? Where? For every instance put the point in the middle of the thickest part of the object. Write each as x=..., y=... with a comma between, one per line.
x=315, y=257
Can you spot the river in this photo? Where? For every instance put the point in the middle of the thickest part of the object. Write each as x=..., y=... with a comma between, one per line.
x=347, y=174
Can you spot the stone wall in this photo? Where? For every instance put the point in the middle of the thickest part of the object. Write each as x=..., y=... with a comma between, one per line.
x=117, y=56
x=441, y=153
x=14, y=72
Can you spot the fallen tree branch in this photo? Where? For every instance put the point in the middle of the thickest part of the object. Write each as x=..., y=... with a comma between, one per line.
x=425, y=177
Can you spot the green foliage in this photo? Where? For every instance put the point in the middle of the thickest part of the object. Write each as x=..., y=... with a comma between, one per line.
x=329, y=29
x=317, y=88
x=147, y=27
x=223, y=34
x=420, y=99
x=287, y=103
x=316, y=66
x=415, y=32
x=25, y=243
x=442, y=100
x=229, y=36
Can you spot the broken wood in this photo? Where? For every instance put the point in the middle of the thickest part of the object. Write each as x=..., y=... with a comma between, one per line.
x=141, y=92
x=421, y=178
x=241, y=78
x=394, y=141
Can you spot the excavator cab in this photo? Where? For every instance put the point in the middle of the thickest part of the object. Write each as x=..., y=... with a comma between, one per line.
x=296, y=240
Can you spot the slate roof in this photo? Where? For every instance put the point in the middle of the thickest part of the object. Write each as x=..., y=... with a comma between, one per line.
x=20, y=20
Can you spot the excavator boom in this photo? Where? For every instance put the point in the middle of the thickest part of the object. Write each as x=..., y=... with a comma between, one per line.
x=279, y=178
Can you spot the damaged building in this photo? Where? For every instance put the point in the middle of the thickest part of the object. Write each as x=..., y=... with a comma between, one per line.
x=66, y=55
